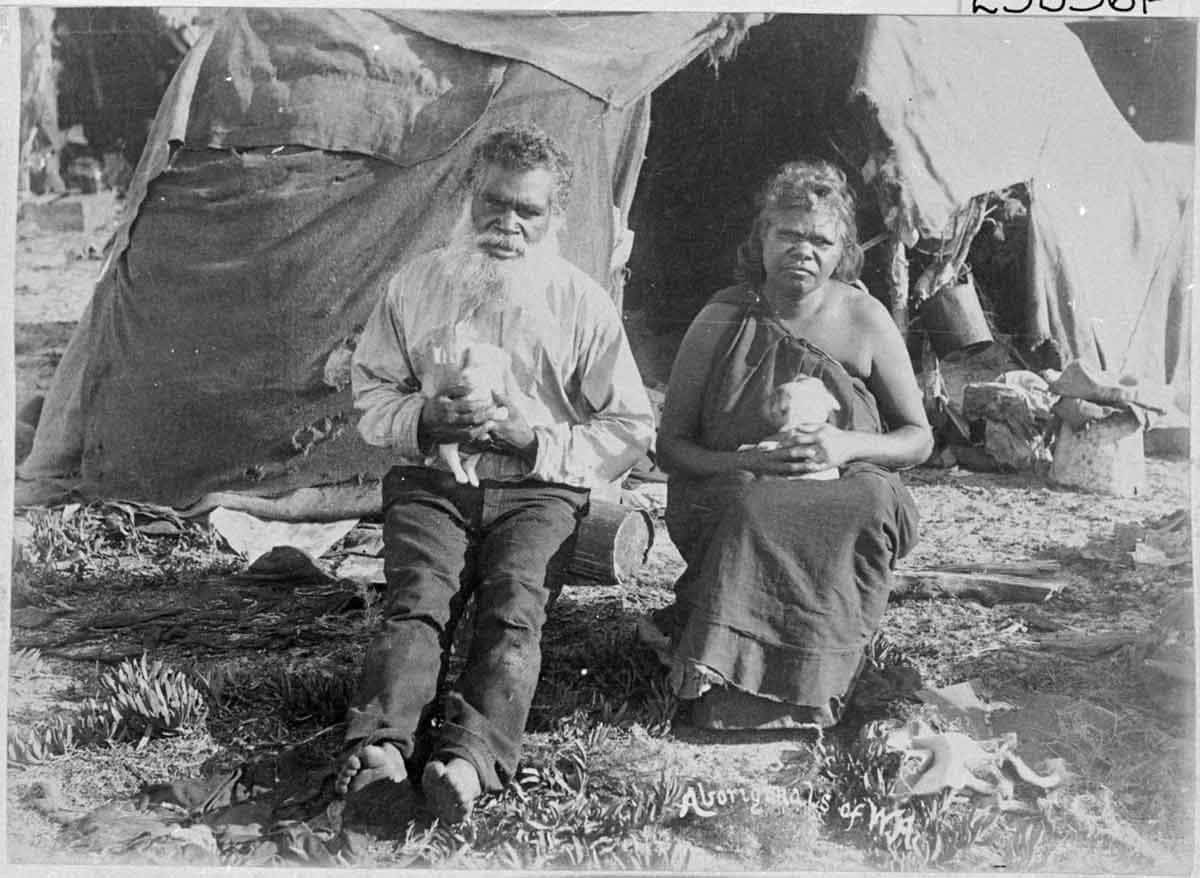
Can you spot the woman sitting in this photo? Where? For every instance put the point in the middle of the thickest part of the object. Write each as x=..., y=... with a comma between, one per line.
x=787, y=578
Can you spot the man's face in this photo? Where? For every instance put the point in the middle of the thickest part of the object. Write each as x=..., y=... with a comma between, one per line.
x=511, y=210
x=801, y=248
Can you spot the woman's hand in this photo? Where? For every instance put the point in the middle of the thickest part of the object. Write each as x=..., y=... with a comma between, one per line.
x=802, y=451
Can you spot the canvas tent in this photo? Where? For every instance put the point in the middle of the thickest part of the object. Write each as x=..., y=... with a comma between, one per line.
x=300, y=155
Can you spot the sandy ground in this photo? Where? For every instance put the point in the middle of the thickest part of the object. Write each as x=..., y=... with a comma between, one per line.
x=55, y=270
x=55, y=273
x=1145, y=759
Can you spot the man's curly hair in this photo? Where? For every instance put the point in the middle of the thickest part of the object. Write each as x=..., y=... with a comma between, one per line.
x=809, y=185
x=523, y=146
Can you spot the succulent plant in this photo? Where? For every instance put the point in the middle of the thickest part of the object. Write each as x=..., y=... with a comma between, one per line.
x=311, y=693
x=149, y=699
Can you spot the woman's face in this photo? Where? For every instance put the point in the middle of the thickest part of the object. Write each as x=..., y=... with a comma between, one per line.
x=801, y=248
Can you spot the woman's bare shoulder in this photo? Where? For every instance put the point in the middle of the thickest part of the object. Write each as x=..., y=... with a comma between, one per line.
x=864, y=310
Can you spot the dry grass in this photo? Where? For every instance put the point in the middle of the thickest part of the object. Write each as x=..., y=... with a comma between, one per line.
x=609, y=759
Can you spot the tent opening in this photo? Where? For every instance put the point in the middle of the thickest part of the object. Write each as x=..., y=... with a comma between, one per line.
x=716, y=135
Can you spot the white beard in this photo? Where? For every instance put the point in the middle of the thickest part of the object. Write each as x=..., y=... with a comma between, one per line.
x=485, y=282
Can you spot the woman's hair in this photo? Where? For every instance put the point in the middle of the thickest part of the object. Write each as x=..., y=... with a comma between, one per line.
x=804, y=185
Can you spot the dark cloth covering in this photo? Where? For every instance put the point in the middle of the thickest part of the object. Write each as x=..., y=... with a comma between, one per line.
x=786, y=579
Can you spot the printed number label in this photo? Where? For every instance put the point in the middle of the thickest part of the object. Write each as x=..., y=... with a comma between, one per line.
x=1104, y=7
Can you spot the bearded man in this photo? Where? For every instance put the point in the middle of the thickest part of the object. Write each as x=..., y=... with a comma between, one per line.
x=500, y=281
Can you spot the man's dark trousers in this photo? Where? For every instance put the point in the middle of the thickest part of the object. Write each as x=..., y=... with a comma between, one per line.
x=508, y=544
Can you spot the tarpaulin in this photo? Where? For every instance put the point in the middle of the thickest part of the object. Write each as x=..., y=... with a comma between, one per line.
x=301, y=154
x=974, y=106
x=201, y=363
x=337, y=79
x=615, y=56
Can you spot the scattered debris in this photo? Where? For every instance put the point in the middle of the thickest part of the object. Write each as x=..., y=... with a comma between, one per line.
x=269, y=811
x=961, y=701
x=1015, y=413
x=1165, y=541
x=34, y=617
x=361, y=568
x=337, y=364
x=1080, y=381
x=1168, y=664
x=251, y=536
x=1090, y=645
x=987, y=583
x=955, y=761
x=365, y=539
x=325, y=503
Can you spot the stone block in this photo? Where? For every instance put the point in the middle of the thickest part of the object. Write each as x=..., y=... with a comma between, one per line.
x=1104, y=457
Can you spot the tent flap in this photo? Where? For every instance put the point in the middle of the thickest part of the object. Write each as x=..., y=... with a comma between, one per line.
x=203, y=364
x=617, y=57
x=337, y=80
x=972, y=106
x=322, y=148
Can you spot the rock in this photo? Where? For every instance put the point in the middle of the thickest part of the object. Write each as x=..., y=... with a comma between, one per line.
x=1105, y=457
x=286, y=563
x=1013, y=416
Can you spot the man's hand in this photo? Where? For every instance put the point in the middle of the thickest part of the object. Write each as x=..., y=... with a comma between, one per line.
x=513, y=433
x=455, y=416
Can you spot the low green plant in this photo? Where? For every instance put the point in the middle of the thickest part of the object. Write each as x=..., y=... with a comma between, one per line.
x=81, y=539
x=921, y=832
x=139, y=700
x=881, y=652
x=605, y=674
x=1024, y=847
x=372, y=617
x=560, y=814
x=222, y=683
x=150, y=699
x=64, y=536
x=314, y=694
x=42, y=742
x=25, y=663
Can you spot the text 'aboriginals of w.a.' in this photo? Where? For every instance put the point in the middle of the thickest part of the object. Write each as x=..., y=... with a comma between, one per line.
x=704, y=802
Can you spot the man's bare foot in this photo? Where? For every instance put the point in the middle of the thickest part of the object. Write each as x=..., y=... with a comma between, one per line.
x=451, y=788
x=368, y=764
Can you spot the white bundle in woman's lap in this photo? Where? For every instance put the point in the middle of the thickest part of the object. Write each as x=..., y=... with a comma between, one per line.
x=803, y=403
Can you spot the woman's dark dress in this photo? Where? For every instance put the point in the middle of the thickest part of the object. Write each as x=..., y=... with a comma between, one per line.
x=786, y=579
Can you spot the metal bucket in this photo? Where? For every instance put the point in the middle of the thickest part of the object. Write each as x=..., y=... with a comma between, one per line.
x=954, y=320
